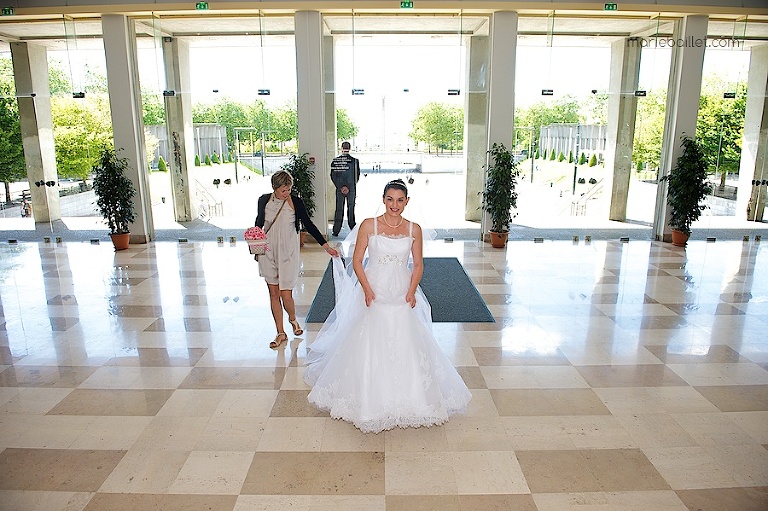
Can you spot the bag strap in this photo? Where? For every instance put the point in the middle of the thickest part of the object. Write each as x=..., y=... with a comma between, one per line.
x=277, y=215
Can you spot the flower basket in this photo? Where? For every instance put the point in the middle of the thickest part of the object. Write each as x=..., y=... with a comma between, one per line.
x=257, y=241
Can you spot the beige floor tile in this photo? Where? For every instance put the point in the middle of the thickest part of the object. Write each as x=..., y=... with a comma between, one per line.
x=212, y=472
x=589, y=471
x=254, y=378
x=655, y=430
x=488, y=473
x=538, y=402
x=709, y=429
x=747, y=464
x=192, y=403
x=67, y=470
x=300, y=434
x=171, y=434
x=31, y=400
x=294, y=403
x=339, y=436
x=231, y=434
x=420, y=473
x=18, y=500
x=690, y=467
x=315, y=473
x=424, y=503
x=43, y=432
x=45, y=376
x=597, y=432
x=118, y=402
x=532, y=377
x=470, y=434
x=432, y=439
x=115, y=433
x=726, y=499
x=246, y=403
x=660, y=500
x=648, y=375
x=737, y=398
x=702, y=354
x=145, y=472
x=537, y=433
x=742, y=373
x=482, y=405
x=113, y=501
x=649, y=400
x=502, y=356
x=754, y=423
x=274, y=502
x=115, y=377
x=294, y=379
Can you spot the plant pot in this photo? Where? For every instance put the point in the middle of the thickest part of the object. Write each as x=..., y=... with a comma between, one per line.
x=121, y=241
x=679, y=238
x=499, y=239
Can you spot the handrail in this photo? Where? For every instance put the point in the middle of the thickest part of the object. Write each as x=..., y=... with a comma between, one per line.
x=210, y=205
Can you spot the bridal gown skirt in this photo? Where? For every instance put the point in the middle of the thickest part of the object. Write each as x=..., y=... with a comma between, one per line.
x=384, y=368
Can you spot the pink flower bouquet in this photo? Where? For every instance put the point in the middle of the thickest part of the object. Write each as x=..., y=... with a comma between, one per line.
x=257, y=240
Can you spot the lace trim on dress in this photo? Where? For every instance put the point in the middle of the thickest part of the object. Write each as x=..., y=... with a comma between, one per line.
x=390, y=236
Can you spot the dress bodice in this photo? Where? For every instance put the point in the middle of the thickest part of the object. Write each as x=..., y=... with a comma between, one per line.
x=389, y=250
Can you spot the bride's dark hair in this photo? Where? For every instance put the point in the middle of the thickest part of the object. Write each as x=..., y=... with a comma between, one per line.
x=397, y=184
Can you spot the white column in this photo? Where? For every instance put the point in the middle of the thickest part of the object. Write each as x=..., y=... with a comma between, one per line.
x=30, y=70
x=622, y=109
x=311, y=105
x=501, y=84
x=181, y=141
x=330, y=130
x=690, y=36
x=127, y=118
x=754, y=160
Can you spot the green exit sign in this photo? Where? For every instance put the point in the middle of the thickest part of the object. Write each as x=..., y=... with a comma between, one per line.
x=7, y=11
x=611, y=7
x=201, y=6
x=407, y=4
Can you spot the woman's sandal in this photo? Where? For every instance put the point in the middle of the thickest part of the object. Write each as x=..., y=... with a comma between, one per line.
x=297, y=330
x=279, y=340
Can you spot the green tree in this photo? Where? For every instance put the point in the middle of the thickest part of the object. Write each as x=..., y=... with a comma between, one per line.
x=286, y=124
x=570, y=157
x=582, y=158
x=207, y=159
x=161, y=166
x=561, y=157
x=552, y=155
x=58, y=79
x=345, y=128
x=721, y=125
x=225, y=112
x=593, y=160
x=197, y=160
x=152, y=107
x=12, y=163
x=82, y=129
x=563, y=110
x=649, y=128
x=438, y=125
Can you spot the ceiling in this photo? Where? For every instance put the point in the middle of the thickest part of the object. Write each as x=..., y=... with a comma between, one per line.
x=569, y=30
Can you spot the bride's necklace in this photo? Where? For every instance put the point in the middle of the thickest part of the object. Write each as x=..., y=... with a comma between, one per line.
x=384, y=217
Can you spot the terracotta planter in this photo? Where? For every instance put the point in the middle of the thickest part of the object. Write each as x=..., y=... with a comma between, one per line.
x=499, y=239
x=121, y=241
x=679, y=238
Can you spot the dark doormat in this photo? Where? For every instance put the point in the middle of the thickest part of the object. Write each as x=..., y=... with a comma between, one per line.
x=450, y=291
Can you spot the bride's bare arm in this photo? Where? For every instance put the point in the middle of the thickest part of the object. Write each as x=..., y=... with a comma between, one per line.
x=417, y=248
x=361, y=244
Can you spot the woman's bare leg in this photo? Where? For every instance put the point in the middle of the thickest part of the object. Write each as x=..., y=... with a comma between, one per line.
x=288, y=304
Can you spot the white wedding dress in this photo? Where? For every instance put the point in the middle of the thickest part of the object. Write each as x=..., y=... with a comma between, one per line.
x=379, y=367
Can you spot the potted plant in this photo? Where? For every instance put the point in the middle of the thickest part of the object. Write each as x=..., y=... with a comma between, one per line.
x=499, y=196
x=301, y=169
x=114, y=196
x=687, y=188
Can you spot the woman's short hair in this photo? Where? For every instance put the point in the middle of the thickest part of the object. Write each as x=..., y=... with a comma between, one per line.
x=281, y=178
x=397, y=184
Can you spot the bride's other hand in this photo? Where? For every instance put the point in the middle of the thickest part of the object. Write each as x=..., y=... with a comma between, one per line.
x=411, y=298
x=370, y=296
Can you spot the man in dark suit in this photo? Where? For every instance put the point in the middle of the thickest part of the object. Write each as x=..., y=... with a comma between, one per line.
x=345, y=173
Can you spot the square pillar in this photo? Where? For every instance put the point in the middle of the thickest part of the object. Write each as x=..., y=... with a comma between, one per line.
x=682, y=106
x=622, y=110
x=127, y=118
x=475, y=126
x=331, y=136
x=753, y=168
x=30, y=70
x=178, y=122
x=311, y=104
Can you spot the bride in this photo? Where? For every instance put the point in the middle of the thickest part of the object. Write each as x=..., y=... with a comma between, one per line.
x=375, y=362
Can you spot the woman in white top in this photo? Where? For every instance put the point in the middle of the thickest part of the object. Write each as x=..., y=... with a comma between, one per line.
x=283, y=213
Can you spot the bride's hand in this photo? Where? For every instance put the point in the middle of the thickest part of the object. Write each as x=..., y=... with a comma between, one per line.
x=369, y=297
x=411, y=298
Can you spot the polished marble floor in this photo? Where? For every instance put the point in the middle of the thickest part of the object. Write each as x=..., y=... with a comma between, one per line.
x=618, y=376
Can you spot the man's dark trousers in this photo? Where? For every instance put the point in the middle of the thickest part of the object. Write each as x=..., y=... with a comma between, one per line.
x=338, y=216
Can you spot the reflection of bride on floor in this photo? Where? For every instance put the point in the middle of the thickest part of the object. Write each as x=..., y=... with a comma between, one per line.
x=375, y=362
